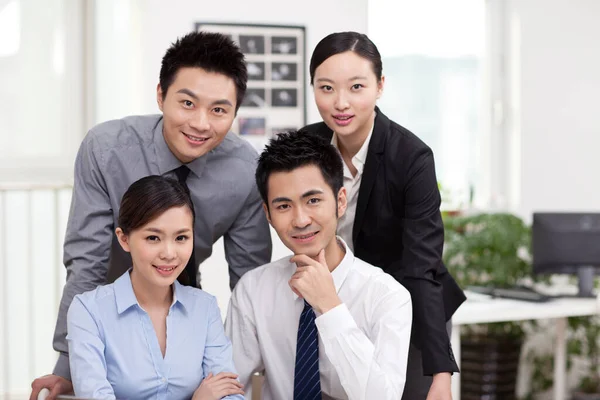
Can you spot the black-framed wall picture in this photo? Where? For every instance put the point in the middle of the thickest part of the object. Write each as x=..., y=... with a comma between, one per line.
x=276, y=94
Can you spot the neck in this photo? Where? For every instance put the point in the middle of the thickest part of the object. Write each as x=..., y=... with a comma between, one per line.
x=148, y=295
x=334, y=254
x=349, y=145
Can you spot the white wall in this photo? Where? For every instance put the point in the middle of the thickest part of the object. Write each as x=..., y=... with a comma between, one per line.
x=554, y=60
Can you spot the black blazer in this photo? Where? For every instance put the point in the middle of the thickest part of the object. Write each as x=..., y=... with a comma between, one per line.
x=398, y=227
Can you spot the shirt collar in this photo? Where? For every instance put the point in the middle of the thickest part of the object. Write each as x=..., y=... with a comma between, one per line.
x=180, y=296
x=125, y=297
x=124, y=292
x=340, y=272
x=360, y=157
x=166, y=159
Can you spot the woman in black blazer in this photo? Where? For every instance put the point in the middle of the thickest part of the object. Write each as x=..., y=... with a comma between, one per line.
x=389, y=176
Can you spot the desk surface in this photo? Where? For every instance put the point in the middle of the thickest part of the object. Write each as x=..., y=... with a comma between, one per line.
x=477, y=310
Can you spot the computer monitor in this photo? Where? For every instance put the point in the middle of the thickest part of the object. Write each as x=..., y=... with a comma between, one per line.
x=567, y=243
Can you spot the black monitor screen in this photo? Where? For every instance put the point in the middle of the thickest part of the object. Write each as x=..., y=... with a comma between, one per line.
x=565, y=242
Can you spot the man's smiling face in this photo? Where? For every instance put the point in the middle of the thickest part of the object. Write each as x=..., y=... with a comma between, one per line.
x=198, y=111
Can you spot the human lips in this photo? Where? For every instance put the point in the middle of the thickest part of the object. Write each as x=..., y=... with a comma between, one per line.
x=343, y=119
x=195, y=139
x=305, y=237
x=165, y=269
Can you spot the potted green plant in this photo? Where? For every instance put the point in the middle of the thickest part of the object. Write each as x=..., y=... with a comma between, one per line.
x=488, y=249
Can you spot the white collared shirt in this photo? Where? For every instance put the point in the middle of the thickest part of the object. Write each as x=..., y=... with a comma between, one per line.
x=352, y=185
x=363, y=343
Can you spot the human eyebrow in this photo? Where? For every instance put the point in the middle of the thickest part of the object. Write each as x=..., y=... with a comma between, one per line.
x=222, y=102
x=280, y=200
x=155, y=230
x=312, y=193
x=189, y=93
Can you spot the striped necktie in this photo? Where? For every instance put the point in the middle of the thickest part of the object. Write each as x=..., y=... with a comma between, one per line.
x=307, y=380
x=191, y=269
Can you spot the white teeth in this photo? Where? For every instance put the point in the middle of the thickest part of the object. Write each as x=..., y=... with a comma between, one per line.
x=195, y=139
x=166, y=269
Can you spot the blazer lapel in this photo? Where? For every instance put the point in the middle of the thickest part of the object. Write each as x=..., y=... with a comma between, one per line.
x=374, y=154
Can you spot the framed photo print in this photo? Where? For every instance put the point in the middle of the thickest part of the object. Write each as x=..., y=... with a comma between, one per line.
x=276, y=94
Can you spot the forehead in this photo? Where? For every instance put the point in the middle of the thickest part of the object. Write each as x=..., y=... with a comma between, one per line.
x=174, y=218
x=209, y=85
x=293, y=184
x=346, y=65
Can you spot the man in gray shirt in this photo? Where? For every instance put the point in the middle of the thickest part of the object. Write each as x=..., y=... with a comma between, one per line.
x=202, y=83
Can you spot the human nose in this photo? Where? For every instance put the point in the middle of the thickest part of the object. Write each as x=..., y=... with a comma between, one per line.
x=301, y=218
x=168, y=251
x=341, y=101
x=200, y=121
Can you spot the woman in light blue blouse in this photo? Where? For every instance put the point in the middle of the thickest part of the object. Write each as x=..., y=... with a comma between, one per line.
x=146, y=335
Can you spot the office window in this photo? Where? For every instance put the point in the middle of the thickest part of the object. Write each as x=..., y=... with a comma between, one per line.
x=41, y=100
x=433, y=63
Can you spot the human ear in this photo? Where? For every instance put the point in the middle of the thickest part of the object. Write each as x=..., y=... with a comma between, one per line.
x=342, y=202
x=380, y=85
x=267, y=212
x=159, y=97
x=123, y=239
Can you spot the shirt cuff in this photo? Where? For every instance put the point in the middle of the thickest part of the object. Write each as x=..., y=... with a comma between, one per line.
x=62, y=367
x=335, y=321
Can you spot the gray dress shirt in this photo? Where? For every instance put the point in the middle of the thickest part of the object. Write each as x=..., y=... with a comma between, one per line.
x=115, y=154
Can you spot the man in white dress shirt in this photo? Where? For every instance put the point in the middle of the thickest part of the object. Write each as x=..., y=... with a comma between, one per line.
x=320, y=323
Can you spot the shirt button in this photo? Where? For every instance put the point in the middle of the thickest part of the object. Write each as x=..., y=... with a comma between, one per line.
x=163, y=380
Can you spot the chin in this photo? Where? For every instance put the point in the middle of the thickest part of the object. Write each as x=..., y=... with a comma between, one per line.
x=311, y=250
x=164, y=281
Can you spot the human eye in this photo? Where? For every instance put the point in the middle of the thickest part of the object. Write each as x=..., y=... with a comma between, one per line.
x=182, y=238
x=187, y=104
x=282, y=207
x=152, y=238
x=314, y=200
x=219, y=110
x=357, y=86
x=326, y=88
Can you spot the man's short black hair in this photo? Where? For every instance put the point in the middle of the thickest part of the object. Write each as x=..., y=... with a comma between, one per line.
x=213, y=52
x=295, y=149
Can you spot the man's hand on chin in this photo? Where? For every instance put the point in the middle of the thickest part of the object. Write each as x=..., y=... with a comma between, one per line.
x=440, y=387
x=313, y=282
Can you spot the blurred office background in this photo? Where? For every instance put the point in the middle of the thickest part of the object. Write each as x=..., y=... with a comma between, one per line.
x=504, y=91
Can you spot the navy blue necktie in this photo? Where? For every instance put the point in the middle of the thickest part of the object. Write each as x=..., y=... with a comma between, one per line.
x=191, y=269
x=307, y=380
